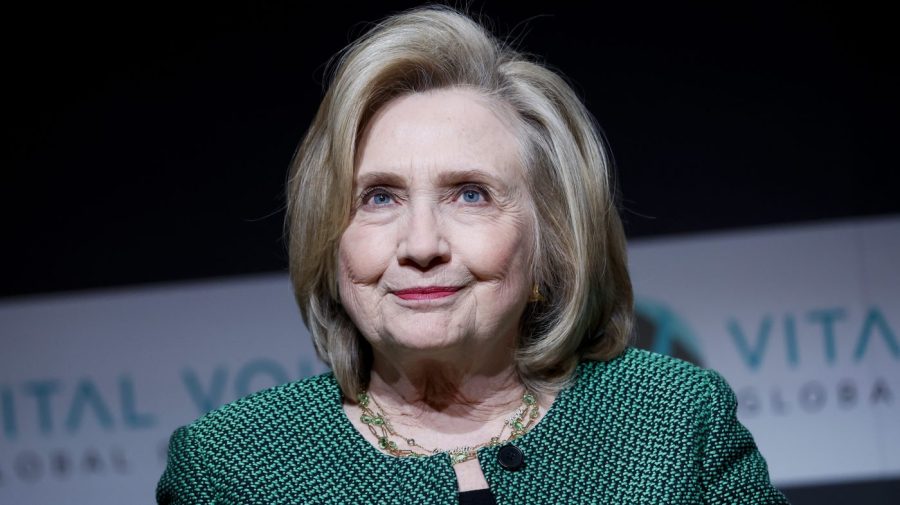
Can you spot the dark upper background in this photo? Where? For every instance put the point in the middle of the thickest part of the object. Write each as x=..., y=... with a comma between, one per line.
x=149, y=142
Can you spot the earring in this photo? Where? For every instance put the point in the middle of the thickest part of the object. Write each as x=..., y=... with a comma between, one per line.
x=536, y=295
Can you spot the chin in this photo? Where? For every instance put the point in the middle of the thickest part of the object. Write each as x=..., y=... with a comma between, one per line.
x=419, y=340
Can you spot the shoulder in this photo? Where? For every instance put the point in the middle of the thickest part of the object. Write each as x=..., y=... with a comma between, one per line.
x=648, y=379
x=669, y=416
x=219, y=452
x=274, y=408
x=643, y=366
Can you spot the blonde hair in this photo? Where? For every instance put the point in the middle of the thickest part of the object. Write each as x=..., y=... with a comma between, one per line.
x=579, y=261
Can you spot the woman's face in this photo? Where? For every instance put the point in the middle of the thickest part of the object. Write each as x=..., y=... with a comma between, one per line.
x=436, y=255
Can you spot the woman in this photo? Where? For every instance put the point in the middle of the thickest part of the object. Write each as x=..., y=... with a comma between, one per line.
x=457, y=255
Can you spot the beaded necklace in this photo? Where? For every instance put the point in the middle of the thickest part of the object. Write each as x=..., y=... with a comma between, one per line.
x=380, y=426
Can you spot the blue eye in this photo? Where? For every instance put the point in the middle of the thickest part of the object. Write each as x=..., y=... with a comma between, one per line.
x=377, y=197
x=472, y=196
x=381, y=199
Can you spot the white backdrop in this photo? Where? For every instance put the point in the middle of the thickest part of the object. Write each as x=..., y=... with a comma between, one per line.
x=803, y=321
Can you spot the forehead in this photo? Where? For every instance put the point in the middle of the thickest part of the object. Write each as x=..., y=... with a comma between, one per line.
x=441, y=130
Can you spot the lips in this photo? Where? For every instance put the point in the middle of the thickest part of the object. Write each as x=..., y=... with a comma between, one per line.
x=426, y=292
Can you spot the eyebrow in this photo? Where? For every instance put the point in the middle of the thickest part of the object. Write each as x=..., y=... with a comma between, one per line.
x=378, y=179
x=447, y=178
x=458, y=176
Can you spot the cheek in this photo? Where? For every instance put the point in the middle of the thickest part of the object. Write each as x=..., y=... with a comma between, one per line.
x=499, y=252
x=363, y=256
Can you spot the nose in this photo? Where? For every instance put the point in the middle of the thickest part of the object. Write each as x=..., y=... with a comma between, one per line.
x=422, y=242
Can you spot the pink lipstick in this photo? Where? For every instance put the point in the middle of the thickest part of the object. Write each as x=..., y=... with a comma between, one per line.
x=426, y=293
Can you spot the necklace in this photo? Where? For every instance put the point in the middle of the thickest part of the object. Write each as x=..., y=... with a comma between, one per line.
x=518, y=424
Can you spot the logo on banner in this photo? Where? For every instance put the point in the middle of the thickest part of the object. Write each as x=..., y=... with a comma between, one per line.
x=662, y=330
x=68, y=411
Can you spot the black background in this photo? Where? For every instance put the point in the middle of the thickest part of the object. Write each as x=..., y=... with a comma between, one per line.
x=149, y=142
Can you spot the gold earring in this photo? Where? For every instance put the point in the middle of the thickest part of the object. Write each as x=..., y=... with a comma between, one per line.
x=536, y=295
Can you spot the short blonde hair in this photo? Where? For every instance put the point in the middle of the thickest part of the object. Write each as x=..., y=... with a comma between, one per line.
x=579, y=262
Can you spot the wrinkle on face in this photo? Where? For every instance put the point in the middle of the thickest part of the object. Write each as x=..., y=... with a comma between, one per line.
x=423, y=148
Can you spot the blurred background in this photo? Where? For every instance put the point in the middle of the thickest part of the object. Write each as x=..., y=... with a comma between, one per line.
x=147, y=147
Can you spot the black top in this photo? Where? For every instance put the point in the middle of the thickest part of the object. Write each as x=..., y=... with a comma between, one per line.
x=477, y=497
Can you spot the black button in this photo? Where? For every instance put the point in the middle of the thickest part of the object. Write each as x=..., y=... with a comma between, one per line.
x=511, y=457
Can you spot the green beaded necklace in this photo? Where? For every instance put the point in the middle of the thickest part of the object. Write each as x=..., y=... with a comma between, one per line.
x=380, y=426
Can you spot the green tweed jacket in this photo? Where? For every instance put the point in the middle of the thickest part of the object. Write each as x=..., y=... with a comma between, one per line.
x=642, y=428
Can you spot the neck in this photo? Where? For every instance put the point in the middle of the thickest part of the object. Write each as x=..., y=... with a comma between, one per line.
x=435, y=389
